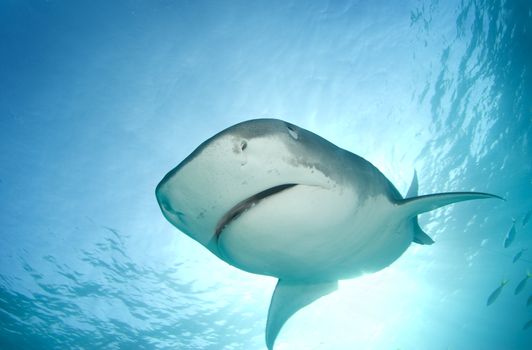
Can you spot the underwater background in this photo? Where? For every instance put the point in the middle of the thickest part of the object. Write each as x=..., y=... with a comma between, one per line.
x=100, y=99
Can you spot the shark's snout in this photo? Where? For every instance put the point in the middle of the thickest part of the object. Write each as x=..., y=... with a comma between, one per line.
x=173, y=215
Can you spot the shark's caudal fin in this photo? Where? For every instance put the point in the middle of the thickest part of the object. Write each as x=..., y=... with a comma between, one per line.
x=420, y=237
x=288, y=298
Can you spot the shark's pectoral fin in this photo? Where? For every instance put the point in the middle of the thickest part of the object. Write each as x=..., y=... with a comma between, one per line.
x=288, y=298
x=410, y=207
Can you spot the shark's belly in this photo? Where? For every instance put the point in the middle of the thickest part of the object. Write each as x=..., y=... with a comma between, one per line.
x=309, y=232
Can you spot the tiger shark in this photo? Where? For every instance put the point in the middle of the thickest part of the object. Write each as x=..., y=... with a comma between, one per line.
x=274, y=199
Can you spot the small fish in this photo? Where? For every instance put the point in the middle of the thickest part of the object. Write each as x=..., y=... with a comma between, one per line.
x=510, y=236
x=529, y=301
x=522, y=284
x=518, y=255
x=495, y=294
x=527, y=325
x=526, y=219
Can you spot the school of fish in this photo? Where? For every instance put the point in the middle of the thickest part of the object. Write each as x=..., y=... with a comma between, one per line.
x=509, y=238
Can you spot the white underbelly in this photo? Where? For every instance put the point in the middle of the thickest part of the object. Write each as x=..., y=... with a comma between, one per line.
x=308, y=232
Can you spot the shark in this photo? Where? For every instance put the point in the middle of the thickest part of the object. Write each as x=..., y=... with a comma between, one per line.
x=275, y=199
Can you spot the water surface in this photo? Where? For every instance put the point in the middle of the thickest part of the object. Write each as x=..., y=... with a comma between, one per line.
x=98, y=100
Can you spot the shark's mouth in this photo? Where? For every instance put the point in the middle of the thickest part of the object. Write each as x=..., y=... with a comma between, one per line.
x=246, y=204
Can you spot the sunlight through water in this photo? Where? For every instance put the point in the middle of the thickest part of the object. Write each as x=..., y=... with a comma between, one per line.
x=100, y=99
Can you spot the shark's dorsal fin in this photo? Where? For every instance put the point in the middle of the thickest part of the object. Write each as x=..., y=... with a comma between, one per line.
x=420, y=236
x=288, y=298
x=412, y=191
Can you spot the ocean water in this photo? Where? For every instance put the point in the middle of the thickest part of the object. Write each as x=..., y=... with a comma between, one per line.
x=99, y=99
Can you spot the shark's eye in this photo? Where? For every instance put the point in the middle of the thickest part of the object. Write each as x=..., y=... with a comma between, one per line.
x=292, y=131
x=243, y=145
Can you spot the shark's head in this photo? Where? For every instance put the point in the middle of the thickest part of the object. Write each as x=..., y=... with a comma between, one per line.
x=230, y=173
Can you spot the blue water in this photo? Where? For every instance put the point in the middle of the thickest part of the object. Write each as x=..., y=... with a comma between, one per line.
x=99, y=99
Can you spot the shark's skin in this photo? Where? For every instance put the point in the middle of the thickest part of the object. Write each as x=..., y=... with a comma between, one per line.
x=275, y=199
